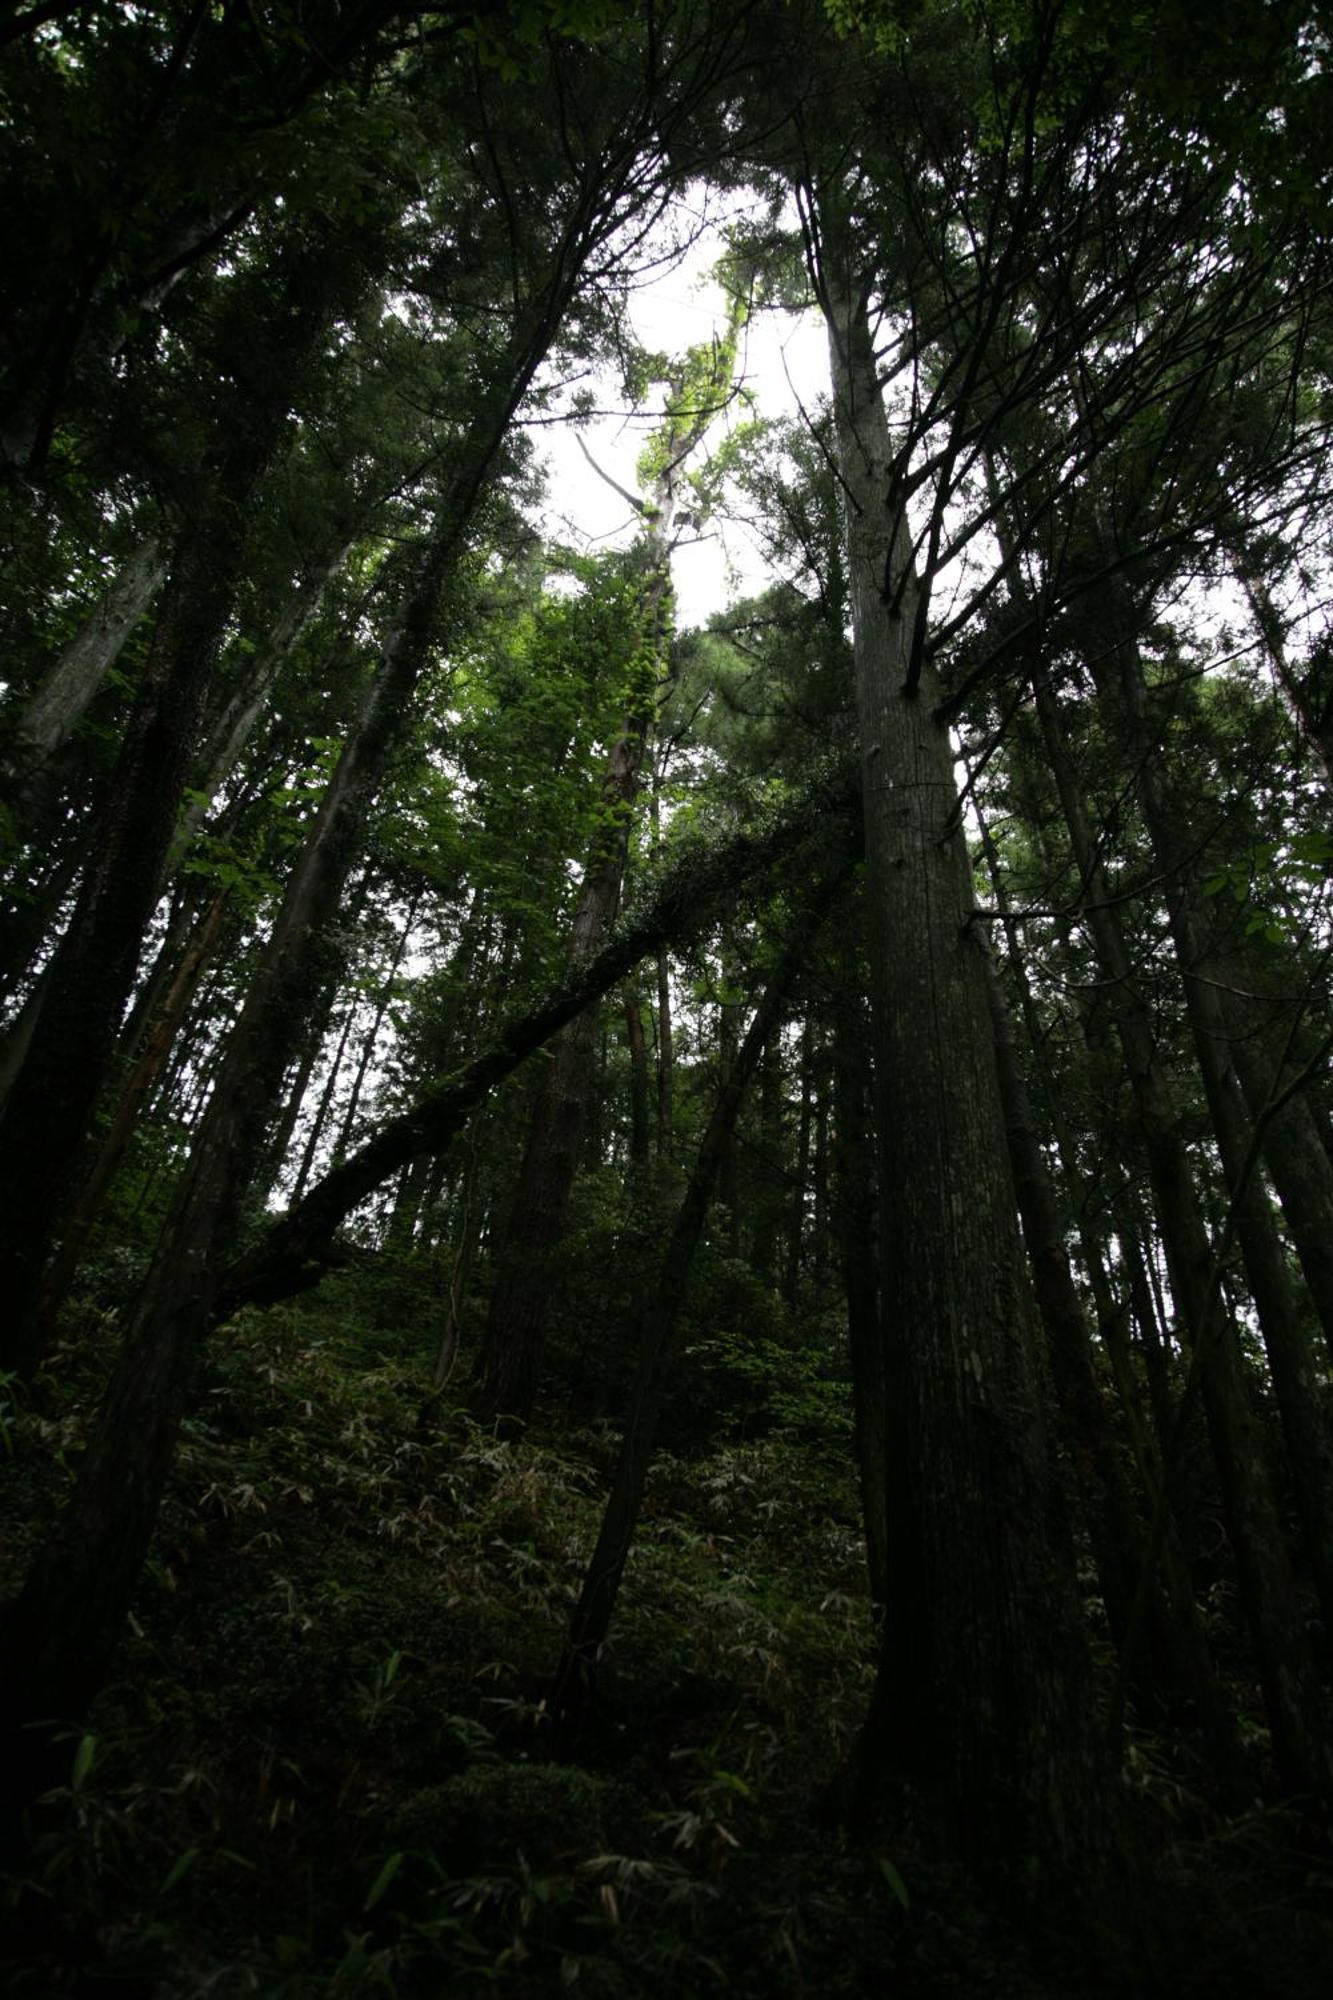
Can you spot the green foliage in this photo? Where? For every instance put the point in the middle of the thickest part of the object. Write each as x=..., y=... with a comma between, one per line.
x=1273, y=873
x=699, y=387
x=340, y=1654
x=326, y=1760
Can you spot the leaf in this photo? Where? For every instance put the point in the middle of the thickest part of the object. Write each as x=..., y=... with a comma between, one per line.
x=895, y=1881
x=83, y=1762
x=179, y=1867
x=383, y=1879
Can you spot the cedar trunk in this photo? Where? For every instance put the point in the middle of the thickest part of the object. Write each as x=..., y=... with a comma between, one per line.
x=982, y=1703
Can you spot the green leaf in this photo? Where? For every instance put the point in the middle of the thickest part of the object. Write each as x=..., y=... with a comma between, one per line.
x=382, y=1880
x=895, y=1881
x=83, y=1762
x=180, y=1867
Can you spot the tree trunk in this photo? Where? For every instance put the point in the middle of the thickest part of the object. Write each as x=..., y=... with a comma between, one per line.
x=510, y=1363
x=48, y=1111
x=982, y=1702
x=226, y=740
x=1179, y=1650
x=467, y=1230
x=1290, y=1360
x=268, y=1173
x=796, y=1216
x=1181, y=1661
x=65, y=1625
x=162, y=1032
x=601, y=1584
x=1294, y=1154
x=768, y=1207
x=26, y=920
x=310, y=1151
x=666, y=1061
x=1314, y=720
x=855, y=1201
x=52, y=713
x=344, y=1139
x=819, y=1226
x=638, y=1077
x=728, y=1041
x=1254, y=1527
x=298, y=1247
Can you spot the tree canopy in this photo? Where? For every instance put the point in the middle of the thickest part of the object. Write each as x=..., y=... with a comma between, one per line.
x=746, y=1187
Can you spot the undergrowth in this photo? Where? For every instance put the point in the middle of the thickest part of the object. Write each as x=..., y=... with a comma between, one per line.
x=325, y=1763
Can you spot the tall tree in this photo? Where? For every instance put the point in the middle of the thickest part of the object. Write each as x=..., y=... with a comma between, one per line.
x=699, y=387
x=980, y=1704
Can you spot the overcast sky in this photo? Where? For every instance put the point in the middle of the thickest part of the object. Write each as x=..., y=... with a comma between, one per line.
x=784, y=364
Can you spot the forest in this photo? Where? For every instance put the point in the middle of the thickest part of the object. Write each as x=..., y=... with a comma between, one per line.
x=666, y=1246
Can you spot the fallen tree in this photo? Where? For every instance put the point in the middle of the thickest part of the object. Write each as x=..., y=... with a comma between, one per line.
x=297, y=1249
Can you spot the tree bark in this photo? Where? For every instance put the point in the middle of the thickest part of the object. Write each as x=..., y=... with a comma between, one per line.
x=52, y=713
x=49, y=1108
x=982, y=1701
x=638, y=1077
x=591, y=1622
x=796, y=1217
x=144, y=1072
x=1294, y=1154
x=855, y=1202
x=299, y=1247
x=1290, y=1360
x=1254, y=1527
x=1179, y=1655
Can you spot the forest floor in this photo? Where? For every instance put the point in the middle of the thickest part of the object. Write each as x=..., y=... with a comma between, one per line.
x=324, y=1765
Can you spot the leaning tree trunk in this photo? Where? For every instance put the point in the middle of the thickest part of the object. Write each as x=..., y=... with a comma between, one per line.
x=229, y=733
x=47, y=1113
x=52, y=713
x=149, y=1061
x=982, y=1702
x=63, y=1629
x=299, y=1247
